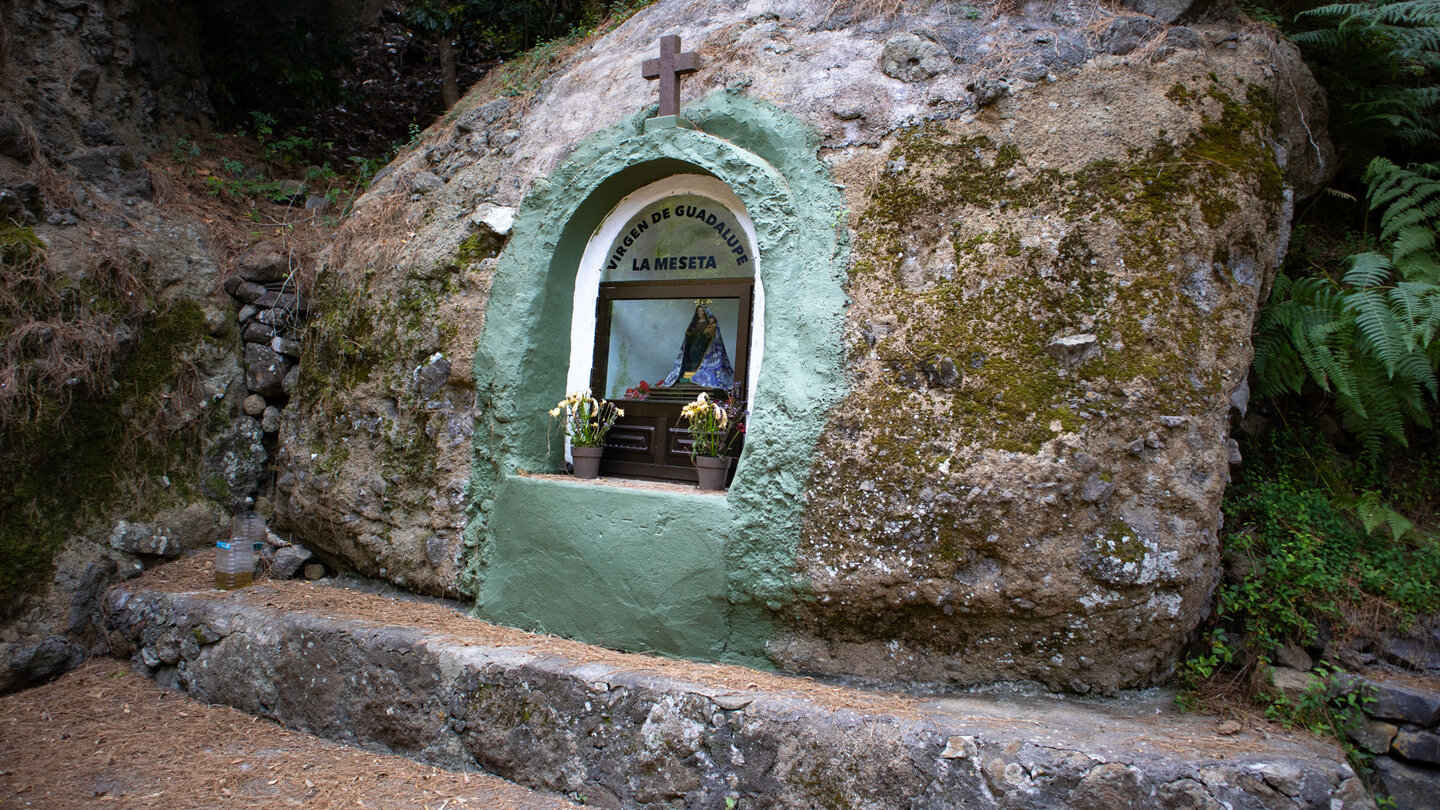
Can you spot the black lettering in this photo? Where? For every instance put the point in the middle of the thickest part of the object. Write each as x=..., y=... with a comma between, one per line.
x=655, y=217
x=709, y=262
x=629, y=240
x=742, y=260
x=665, y=213
x=710, y=220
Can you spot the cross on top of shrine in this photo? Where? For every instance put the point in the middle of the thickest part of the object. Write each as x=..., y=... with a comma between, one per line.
x=668, y=69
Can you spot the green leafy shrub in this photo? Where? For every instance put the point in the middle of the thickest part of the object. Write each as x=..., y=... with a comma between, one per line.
x=1379, y=62
x=1368, y=338
x=1309, y=541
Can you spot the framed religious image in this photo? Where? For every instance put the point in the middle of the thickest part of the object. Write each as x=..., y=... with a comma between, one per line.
x=673, y=317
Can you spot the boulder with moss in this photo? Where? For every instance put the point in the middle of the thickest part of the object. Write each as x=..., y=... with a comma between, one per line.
x=1060, y=223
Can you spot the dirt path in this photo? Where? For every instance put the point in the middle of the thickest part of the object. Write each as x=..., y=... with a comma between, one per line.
x=102, y=736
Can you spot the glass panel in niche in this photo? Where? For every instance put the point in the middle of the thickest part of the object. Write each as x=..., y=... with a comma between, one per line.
x=682, y=237
x=675, y=345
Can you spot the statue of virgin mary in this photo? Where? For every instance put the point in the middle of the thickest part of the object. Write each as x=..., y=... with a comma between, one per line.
x=702, y=359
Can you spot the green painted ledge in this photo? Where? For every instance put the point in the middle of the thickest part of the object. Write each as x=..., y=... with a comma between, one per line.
x=539, y=552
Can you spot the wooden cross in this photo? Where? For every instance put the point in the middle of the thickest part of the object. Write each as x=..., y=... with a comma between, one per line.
x=668, y=69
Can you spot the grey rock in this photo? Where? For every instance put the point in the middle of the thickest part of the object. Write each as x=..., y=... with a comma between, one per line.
x=10, y=206
x=85, y=602
x=989, y=91
x=1232, y=452
x=289, y=561
x=265, y=261
x=732, y=703
x=1373, y=735
x=247, y=313
x=248, y=291
x=265, y=370
x=270, y=421
x=1292, y=682
x=1168, y=11
x=143, y=538
x=97, y=133
x=276, y=317
x=1405, y=703
x=259, y=333
x=497, y=219
x=84, y=80
x=62, y=219
x=290, y=191
x=913, y=57
x=1412, y=787
x=431, y=375
x=316, y=204
x=286, y=346
x=1073, y=350
x=1418, y=745
x=1126, y=34
x=292, y=379
x=1096, y=489
x=425, y=182
x=1295, y=657
x=1410, y=653
x=481, y=117
x=943, y=373
x=114, y=171
x=314, y=571
x=1183, y=38
x=234, y=462
x=195, y=525
x=272, y=299
x=53, y=656
x=13, y=141
x=253, y=405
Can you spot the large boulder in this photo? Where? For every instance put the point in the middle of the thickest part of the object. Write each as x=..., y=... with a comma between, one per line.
x=1053, y=256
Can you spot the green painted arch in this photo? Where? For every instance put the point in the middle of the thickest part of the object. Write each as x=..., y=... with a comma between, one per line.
x=517, y=550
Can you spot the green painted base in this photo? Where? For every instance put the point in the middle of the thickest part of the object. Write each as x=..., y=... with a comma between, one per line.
x=624, y=567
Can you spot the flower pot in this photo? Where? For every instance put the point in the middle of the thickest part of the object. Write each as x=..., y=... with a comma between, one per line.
x=712, y=470
x=587, y=461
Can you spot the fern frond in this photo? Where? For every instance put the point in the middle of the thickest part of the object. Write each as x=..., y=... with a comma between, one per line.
x=1379, y=329
x=1368, y=270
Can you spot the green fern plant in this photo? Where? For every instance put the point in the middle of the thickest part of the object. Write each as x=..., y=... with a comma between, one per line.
x=1380, y=62
x=1370, y=338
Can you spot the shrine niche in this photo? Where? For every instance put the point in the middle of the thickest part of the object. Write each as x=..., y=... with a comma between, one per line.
x=672, y=277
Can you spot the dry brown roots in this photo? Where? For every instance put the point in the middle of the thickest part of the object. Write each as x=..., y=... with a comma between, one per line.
x=102, y=736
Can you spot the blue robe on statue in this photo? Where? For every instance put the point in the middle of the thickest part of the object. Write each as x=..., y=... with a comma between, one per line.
x=702, y=351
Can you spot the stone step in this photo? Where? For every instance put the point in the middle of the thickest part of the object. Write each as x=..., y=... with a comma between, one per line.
x=628, y=730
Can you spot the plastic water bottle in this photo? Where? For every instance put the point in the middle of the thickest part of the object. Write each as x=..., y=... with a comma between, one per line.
x=234, y=563
x=235, y=555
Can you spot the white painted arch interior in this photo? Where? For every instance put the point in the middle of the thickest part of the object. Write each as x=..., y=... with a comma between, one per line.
x=587, y=277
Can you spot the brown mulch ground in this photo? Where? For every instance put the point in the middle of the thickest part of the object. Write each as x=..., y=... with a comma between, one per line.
x=102, y=736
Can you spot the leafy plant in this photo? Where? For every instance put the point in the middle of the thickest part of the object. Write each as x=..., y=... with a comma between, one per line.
x=586, y=420
x=1330, y=707
x=714, y=425
x=1379, y=62
x=1369, y=338
x=1304, y=549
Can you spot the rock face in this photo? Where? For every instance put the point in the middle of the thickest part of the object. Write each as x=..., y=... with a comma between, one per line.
x=1059, y=225
x=127, y=306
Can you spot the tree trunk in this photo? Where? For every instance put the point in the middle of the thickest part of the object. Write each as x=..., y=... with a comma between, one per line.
x=449, y=88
